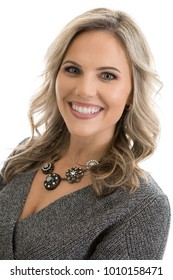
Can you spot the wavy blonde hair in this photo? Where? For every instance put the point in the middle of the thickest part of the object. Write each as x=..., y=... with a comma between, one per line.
x=137, y=130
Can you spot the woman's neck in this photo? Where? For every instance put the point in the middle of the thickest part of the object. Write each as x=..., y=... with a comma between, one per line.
x=83, y=150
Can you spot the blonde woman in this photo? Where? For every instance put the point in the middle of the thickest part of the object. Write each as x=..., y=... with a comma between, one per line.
x=74, y=189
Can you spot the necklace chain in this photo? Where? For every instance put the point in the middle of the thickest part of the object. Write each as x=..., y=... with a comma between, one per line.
x=72, y=175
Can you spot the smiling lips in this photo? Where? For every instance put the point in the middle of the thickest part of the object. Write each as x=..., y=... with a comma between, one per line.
x=85, y=110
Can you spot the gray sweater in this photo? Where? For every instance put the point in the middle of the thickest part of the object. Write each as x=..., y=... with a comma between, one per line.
x=82, y=226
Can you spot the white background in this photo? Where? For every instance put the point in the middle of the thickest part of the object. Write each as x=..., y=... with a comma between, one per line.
x=27, y=27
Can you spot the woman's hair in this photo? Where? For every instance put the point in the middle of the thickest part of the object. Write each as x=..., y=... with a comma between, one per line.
x=137, y=130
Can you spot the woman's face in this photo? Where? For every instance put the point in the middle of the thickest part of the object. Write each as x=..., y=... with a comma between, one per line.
x=93, y=85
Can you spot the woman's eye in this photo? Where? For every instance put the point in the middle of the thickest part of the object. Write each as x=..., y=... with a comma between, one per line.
x=108, y=76
x=72, y=70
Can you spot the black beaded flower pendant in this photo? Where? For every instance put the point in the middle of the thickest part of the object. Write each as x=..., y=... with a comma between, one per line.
x=74, y=175
x=53, y=179
x=47, y=168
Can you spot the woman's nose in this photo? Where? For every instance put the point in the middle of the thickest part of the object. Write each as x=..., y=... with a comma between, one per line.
x=86, y=87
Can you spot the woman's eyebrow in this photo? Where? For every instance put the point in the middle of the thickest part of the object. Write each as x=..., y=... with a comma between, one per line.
x=108, y=68
x=72, y=62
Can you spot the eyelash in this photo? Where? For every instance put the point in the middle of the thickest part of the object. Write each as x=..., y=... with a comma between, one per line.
x=76, y=71
x=113, y=77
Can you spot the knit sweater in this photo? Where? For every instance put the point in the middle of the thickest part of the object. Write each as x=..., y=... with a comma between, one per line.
x=81, y=226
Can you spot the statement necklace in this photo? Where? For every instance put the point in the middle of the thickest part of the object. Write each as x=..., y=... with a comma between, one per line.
x=72, y=175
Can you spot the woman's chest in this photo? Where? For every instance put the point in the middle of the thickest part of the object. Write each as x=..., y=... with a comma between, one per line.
x=39, y=197
x=55, y=235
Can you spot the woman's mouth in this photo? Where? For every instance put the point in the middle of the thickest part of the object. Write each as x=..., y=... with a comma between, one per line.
x=84, y=110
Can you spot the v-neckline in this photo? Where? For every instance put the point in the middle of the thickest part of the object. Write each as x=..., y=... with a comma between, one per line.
x=80, y=193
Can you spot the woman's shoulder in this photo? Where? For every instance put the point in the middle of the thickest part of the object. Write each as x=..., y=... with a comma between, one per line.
x=1, y=182
x=19, y=145
x=148, y=194
x=149, y=188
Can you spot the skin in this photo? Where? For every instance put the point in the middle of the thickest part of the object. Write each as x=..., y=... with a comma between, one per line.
x=94, y=74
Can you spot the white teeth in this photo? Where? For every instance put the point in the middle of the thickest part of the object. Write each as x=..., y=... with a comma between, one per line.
x=85, y=110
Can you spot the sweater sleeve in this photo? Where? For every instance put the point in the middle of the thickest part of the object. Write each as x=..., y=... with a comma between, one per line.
x=142, y=237
x=3, y=168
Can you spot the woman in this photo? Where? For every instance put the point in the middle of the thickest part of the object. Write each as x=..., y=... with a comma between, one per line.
x=74, y=190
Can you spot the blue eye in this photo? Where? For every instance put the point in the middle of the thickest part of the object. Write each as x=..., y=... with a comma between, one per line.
x=108, y=76
x=72, y=70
